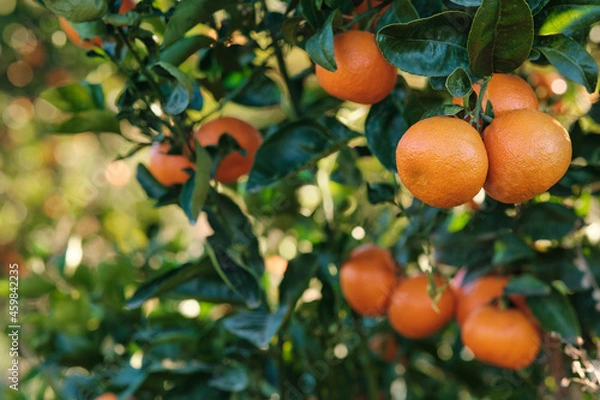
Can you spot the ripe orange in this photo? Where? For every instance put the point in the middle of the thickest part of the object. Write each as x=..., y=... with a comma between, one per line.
x=442, y=161
x=362, y=74
x=75, y=38
x=107, y=396
x=412, y=312
x=506, y=92
x=528, y=152
x=168, y=169
x=367, y=279
x=504, y=338
x=234, y=164
x=276, y=265
x=384, y=346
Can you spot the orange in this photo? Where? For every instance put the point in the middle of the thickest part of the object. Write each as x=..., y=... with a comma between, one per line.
x=362, y=74
x=75, y=38
x=528, y=152
x=234, y=164
x=107, y=396
x=412, y=313
x=367, y=278
x=442, y=161
x=506, y=93
x=168, y=169
x=504, y=338
x=276, y=265
x=384, y=346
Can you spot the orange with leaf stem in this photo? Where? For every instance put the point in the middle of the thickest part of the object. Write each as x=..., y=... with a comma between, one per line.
x=413, y=314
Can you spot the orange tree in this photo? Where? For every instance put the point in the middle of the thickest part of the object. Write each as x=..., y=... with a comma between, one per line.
x=319, y=180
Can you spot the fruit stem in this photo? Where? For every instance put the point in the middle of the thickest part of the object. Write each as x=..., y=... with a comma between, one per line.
x=477, y=113
x=291, y=88
x=365, y=358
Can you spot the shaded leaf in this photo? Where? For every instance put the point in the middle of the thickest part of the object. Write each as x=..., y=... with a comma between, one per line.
x=458, y=83
x=195, y=191
x=297, y=145
x=379, y=192
x=501, y=37
x=96, y=121
x=320, y=46
x=234, y=378
x=527, y=285
x=547, y=221
x=258, y=327
x=556, y=314
x=509, y=248
x=164, y=282
x=182, y=49
x=433, y=46
x=568, y=18
x=188, y=14
x=570, y=59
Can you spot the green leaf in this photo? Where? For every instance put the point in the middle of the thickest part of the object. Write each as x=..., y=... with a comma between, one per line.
x=568, y=19
x=570, y=59
x=458, y=83
x=78, y=11
x=433, y=46
x=536, y=5
x=294, y=147
x=208, y=288
x=90, y=30
x=509, y=248
x=549, y=221
x=386, y=123
x=298, y=274
x=189, y=13
x=97, y=121
x=400, y=11
x=379, y=192
x=153, y=188
x=181, y=94
x=313, y=14
x=164, y=283
x=259, y=91
x=290, y=28
x=195, y=191
x=242, y=282
x=320, y=46
x=467, y=3
x=182, y=49
x=345, y=171
x=447, y=110
x=556, y=314
x=527, y=285
x=258, y=327
x=72, y=98
x=234, y=235
x=234, y=378
x=501, y=37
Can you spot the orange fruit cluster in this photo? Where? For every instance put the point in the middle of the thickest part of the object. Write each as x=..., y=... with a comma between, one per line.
x=370, y=285
x=171, y=169
x=504, y=337
x=444, y=162
x=362, y=74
